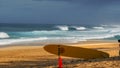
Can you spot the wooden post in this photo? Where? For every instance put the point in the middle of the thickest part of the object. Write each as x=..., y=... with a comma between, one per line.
x=58, y=50
x=119, y=46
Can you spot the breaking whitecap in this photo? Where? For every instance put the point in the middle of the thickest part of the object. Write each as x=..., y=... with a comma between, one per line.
x=4, y=35
x=60, y=34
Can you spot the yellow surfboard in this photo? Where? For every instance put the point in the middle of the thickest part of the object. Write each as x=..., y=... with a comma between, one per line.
x=76, y=52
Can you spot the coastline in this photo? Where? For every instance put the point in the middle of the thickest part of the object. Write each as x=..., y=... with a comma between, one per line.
x=36, y=56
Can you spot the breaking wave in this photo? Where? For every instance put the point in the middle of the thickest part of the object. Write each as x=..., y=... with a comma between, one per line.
x=4, y=35
x=79, y=27
x=99, y=28
x=63, y=27
x=66, y=28
x=62, y=34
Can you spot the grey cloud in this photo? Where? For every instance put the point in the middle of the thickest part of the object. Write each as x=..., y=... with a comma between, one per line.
x=65, y=11
x=87, y=2
x=90, y=1
x=0, y=3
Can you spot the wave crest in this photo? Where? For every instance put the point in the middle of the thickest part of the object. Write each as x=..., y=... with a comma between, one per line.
x=79, y=27
x=4, y=35
x=99, y=28
x=63, y=27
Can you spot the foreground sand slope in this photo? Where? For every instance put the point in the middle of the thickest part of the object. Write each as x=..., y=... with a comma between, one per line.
x=36, y=56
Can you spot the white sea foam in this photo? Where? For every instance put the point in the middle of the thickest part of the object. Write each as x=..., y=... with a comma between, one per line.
x=12, y=41
x=99, y=28
x=111, y=26
x=4, y=35
x=61, y=36
x=79, y=27
x=64, y=27
x=70, y=39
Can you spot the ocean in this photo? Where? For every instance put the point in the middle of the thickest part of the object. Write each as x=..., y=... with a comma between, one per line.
x=51, y=33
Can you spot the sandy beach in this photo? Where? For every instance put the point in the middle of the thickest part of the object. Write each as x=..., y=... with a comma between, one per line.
x=28, y=56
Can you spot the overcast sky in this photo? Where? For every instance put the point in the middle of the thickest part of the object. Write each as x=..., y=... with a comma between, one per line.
x=60, y=11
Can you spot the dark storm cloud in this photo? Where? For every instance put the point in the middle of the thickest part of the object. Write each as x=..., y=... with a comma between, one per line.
x=60, y=11
x=82, y=1
x=0, y=3
x=87, y=2
x=96, y=11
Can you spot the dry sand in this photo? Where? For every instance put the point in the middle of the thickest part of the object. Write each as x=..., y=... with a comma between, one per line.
x=27, y=56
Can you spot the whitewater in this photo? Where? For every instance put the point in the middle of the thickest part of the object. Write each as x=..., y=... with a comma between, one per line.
x=56, y=33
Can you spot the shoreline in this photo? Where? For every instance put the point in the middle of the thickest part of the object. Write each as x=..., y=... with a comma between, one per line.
x=37, y=43
x=33, y=54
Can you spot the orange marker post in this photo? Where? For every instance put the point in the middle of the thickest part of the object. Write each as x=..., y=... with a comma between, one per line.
x=59, y=58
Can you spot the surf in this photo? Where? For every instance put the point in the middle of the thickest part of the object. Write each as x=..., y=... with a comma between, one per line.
x=3, y=35
x=79, y=27
x=63, y=33
x=21, y=40
x=64, y=27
